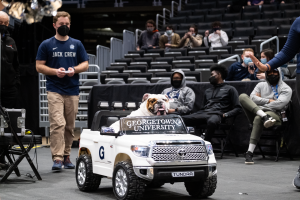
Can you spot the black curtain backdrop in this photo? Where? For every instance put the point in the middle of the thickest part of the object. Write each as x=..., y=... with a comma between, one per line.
x=241, y=136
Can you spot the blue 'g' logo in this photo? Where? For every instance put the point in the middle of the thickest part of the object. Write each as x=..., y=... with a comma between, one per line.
x=101, y=152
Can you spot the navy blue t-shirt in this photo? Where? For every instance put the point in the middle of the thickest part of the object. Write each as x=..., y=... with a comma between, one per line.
x=64, y=54
x=238, y=72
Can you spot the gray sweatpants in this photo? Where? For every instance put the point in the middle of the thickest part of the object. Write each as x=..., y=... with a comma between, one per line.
x=250, y=109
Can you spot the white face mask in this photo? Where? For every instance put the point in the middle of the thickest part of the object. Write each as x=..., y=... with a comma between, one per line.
x=150, y=29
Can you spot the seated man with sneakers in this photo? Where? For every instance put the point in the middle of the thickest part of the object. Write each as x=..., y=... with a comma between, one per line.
x=264, y=107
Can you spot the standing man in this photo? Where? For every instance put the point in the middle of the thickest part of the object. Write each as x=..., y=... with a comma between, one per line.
x=10, y=78
x=61, y=58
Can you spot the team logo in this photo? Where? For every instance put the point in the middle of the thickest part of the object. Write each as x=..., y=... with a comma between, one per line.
x=181, y=153
x=101, y=152
x=72, y=46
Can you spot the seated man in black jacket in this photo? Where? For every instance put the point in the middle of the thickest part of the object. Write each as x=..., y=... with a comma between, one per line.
x=219, y=102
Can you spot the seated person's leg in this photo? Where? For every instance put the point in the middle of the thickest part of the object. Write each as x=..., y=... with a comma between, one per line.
x=250, y=107
x=194, y=119
x=212, y=123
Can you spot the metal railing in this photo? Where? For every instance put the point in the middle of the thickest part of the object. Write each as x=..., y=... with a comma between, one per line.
x=92, y=58
x=229, y=58
x=173, y=7
x=116, y=47
x=137, y=35
x=81, y=117
x=269, y=40
x=128, y=41
x=102, y=57
x=165, y=18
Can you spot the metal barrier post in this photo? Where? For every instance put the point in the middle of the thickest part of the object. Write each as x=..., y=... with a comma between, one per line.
x=92, y=58
x=103, y=57
x=115, y=49
x=128, y=41
x=269, y=40
x=173, y=8
x=137, y=31
x=229, y=58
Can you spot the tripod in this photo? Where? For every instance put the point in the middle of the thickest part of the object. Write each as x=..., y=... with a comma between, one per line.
x=23, y=153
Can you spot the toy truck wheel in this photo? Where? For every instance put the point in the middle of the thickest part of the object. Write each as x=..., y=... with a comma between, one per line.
x=85, y=178
x=155, y=185
x=126, y=185
x=203, y=189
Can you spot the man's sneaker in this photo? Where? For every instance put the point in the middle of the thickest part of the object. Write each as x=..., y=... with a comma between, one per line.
x=296, y=181
x=249, y=158
x=67, y=163
x=268, y=121
x=57, y=164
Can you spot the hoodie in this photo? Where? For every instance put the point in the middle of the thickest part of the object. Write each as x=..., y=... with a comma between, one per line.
x=182, y=98
x=266, y=93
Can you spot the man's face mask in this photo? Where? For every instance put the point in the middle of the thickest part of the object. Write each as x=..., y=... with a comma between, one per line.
x=216, y=29
x=263, y=60
x=213, y=80
x=176, y=83
x=63, y=30
x=247, y=60
x=169, y=32
x=3, y=29
x=273, y=79
x=150, y=29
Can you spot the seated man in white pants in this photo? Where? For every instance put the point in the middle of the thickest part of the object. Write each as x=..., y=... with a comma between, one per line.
x=264, y=106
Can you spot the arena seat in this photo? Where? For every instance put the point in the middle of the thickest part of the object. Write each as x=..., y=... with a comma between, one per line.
x=120, y=69
x=284, y=30
x=152, y=55
x=208, y=5
x=184, y=12
x=172, y=54
x=260, y=22
x=205, y=74
x=177, y=20
x=140, y=80
x=223, y=56
x=228, y=63
x=228, y=31
x=160, y=79
x=164, y=74
x=180, y=62
x=271, y=15
x=232, y=16
x=204, y=65
x=102, y=78
x=196, y=53
x=190, y=79
x=166, y=59
x=223, y=4
x=280, y=21
x=191, y=67
x=175, y=27
x=148, y=76
x=141, y=52
x=286, y=6
x=148, y=60
x=141, y=68
x=204, y=25
x=226, y=24
x=244, y=34
x=238, y=51
x=123, y=75
x=116, y=81
x=265, y=32
x=198, y=12
x=108, y=73
x=132, y=56
x=126, y=60
x=241, y=23
x=251, y=15
x=163, y=80
x=213, y=57
x=180, y=32
x=215, y=11
x=213, y=18
x=158, y=63
x=190, y=58
x=191, y=6
x=203, y=61
x=195, y=19
x=292, y=68
x=182, y=51
x=218, y=52
x=268, y=7
x=119, y=64
x=195, y=74
x=184, y=26
x=257, y=44
x=160, y=51
x=206, y=49
x=234, y=44
x=228, y=48
x=251, y=9
x=247, y=46
x=155, y=71
x=166, y=67
x=291, y=13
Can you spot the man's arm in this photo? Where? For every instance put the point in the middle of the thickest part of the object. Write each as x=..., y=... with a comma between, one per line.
x=42, y=68
x=188, y=103
x=256, y=95
x=177, y=41
x=249, y=3
x=224, y=38
x=230, y=73
x=82, y=67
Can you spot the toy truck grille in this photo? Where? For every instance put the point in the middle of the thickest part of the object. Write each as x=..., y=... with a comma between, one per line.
x=179, y=152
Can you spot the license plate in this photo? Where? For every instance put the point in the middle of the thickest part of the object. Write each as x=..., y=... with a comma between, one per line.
x=182, y=174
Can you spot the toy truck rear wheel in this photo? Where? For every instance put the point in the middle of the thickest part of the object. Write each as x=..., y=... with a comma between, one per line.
x=126, y=185
x=85, y=178
x=202, y=189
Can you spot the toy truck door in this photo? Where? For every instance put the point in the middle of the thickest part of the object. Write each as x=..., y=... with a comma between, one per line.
x=104, y=149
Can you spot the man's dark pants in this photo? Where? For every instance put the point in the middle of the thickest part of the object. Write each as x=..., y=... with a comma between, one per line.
x=202, y=117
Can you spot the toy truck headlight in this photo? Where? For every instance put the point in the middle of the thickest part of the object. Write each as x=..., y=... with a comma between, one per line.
x=140, y=151
x=209, y=149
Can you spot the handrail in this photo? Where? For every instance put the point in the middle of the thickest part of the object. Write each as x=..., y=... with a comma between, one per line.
x=164, y=14
x=269, y=40
x=172, y=7
x=137, y=35
x=98, y=76
x=229, y=58
x=157, y=17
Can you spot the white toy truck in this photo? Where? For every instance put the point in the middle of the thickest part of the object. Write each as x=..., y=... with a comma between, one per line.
x=147, y=152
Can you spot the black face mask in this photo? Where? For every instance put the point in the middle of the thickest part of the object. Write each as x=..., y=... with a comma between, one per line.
x=63, y=30
x=215, y=29
x=3, y=29
x=213, y=80
x=273, y=79
x=176, y=83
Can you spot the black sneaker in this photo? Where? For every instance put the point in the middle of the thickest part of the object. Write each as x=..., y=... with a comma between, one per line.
x=248, y=158
x=268, y=121
x=296, y=181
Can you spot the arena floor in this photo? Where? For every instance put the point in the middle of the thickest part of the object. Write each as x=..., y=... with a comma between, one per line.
x=266, y=180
